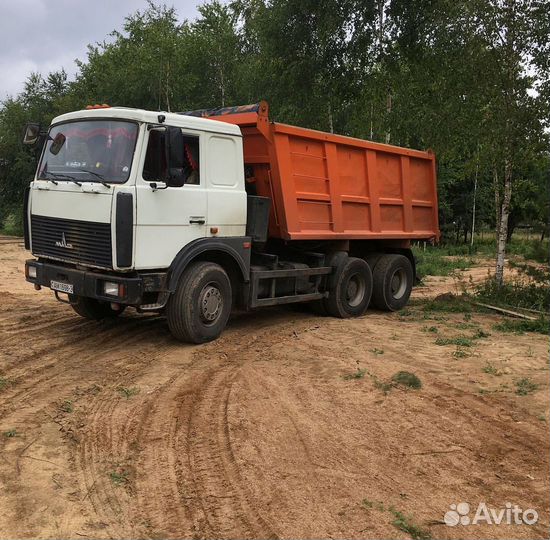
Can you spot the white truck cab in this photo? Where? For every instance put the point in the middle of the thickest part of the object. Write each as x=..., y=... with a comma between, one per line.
x=123, y=198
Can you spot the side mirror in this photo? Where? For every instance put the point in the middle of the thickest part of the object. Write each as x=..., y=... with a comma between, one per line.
x=31, y=134
x=57, y=143
x=175, y=156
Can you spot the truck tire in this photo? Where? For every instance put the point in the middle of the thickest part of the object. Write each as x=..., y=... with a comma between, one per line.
x=335, y=259
x=392, y=282
x=372, y=259
x=352, y=289
x=93, y=309
x=199, y=309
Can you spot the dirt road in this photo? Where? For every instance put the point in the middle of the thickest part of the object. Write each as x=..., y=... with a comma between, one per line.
x=114, y=430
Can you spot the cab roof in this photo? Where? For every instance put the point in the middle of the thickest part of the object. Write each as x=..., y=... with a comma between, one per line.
x=152, y=117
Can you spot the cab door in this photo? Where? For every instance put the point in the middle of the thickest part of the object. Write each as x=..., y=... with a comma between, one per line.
x=173, y=214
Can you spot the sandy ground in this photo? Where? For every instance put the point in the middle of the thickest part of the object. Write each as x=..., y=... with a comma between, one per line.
x=115, y=430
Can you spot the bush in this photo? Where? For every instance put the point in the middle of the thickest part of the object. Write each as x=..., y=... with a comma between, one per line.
x=520, y=293
x=13, y=224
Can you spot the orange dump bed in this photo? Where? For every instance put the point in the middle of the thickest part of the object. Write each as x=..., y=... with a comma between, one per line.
x=326, y=186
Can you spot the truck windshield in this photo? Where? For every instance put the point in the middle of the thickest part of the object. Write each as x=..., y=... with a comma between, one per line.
x=89, y=151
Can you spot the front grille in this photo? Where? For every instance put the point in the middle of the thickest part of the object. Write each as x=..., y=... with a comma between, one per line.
x=84, y=242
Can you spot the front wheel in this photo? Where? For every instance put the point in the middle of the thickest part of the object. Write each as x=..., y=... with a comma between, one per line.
x=199, y=309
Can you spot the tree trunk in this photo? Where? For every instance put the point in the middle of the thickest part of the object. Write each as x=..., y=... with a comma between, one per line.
x=388, y=111
x=474, y=206
x=503, y=226
x=496, y=189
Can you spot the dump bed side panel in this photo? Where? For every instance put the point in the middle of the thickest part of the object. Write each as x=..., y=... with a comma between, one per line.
x=338, y=187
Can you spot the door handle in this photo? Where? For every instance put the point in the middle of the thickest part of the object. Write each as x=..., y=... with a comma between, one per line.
x=198, y=220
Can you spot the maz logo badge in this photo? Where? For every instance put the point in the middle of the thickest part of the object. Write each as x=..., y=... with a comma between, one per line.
x=63, y=242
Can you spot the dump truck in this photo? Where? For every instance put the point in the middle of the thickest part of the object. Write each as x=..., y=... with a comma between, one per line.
x=199, y=213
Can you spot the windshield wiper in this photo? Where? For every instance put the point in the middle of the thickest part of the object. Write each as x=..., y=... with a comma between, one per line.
x=46, y=178
x=100, y=177
x=63, y=177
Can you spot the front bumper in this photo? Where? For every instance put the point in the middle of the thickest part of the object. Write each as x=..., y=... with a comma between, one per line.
x=88, y=283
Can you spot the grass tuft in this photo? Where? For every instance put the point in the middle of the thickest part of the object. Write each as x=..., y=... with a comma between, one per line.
x=359, y=374
x=67, y=406
x=407, y=525
x=491, y=370
x=4, y=382
x=119, y=478
x=459, y=341
x=406, y=378
x=525, y=386
x=128, y=392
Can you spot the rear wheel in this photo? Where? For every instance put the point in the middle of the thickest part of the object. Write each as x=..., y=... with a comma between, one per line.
x=392, y=282
x=199, y=309
x=352, y=289
x=93, y=309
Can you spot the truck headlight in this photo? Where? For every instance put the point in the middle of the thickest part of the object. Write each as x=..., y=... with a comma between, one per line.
x=31, y=272
x=110, y=288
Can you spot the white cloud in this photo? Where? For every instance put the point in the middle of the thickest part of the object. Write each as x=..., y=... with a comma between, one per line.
x=47, y=35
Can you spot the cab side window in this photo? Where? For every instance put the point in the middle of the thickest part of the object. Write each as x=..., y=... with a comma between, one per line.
x=172, y=157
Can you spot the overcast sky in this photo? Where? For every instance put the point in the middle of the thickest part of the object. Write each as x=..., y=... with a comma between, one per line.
x=46, y=35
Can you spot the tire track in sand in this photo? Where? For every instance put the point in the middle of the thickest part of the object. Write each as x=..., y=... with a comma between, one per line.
x=185, y=480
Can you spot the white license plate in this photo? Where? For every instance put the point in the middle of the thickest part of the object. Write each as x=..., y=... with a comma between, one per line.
x=62, y=287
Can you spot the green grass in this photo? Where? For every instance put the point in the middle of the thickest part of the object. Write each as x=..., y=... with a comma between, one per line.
x=459, y=341
x=373, y=504
x=520, y=326
x=407, y=525
x=528, y=248
x=119, y=478
x=432, y=329
x=447, y=303
x=128, y=392
x=435, y=261
x=401, y=521
x=480, y=333
x=406, y=378
x=525, y=386
x=462, y=341
x=67, y=406
x=10, y=433
x=3, y=383
x=377, y=351
x=359, y=374
x=461, y=353
x=491, y=370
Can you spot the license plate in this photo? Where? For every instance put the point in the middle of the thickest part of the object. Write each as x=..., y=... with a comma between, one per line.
x=62, y=287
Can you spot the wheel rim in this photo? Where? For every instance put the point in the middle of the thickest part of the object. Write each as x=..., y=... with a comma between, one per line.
x=398, y=283
x=211, y=303
x=355, y=291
